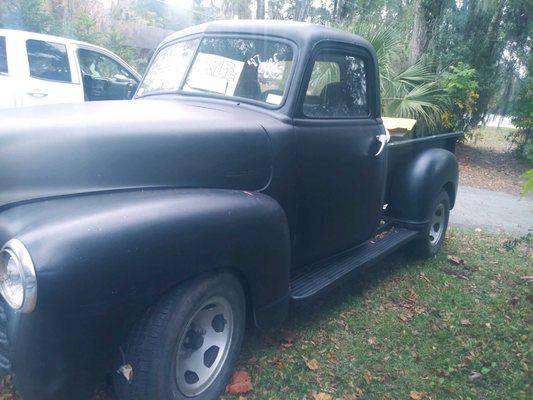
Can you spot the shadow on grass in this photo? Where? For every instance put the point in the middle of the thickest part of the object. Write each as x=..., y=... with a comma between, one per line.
x=316, y=310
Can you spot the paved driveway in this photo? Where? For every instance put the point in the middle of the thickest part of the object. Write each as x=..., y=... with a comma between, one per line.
x=492, y=211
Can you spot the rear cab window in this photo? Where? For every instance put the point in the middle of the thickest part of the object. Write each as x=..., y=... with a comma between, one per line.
x=337, y=87
x=48, y=60
x=4, y=70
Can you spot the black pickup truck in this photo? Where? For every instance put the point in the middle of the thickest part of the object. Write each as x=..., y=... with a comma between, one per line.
x=251, y=170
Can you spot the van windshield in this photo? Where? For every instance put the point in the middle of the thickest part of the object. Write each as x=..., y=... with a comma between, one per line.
x=255, y=69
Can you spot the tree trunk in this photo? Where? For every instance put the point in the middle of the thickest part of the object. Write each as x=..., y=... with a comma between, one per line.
x=418, y=41
x=302, y=8
x=488, y=55
x=338, y=5
x=260, y=12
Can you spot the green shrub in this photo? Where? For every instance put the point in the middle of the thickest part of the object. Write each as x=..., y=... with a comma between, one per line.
x=460, y=84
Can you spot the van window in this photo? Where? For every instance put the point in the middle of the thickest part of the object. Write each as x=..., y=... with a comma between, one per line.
x=98, y=65
x=104, y=78
x=3, y=56
x=48, y=60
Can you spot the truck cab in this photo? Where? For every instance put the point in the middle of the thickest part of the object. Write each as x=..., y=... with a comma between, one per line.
x=38, y=69
x=251, y=170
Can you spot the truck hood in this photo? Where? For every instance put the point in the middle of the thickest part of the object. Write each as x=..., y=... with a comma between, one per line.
x=118, y=145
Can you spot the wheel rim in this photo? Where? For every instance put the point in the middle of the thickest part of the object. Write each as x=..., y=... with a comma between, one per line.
x=437, y=224
x=203, y=348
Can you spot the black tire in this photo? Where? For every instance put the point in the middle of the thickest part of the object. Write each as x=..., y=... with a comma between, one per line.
x=152, y=347
x=428, y=244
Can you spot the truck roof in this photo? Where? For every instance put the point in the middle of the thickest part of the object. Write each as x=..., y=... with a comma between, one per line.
x=302, y=33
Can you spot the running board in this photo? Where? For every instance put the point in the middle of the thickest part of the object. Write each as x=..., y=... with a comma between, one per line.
x=318, y=277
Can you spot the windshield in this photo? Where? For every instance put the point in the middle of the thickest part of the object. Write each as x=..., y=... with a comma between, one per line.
x=255, y=69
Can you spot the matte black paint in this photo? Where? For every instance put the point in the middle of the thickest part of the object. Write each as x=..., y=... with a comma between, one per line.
x=104, y=257
x=118, y=201
x=418, y=170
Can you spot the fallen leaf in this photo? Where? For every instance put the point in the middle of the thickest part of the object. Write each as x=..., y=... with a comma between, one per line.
x=414, y=395
x=406, y=316
x=465, y=322
x=355, y=396
x=424, y=277
x=367, y=376
x=457, y=274
x=374, y=343
x=240, y=382
x=312, y=364
x=420, y=309
x=322, y=396
x=455, y=260
x=287, y=339
x=474, y=375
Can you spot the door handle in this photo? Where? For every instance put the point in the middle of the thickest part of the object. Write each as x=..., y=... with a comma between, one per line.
x=38, y=94
x=384, y=138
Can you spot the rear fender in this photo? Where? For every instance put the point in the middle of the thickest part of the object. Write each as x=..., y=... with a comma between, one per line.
x=415, y=185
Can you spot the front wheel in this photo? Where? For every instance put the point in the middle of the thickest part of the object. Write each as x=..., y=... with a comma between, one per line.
x=432, y=236
x=186, y=346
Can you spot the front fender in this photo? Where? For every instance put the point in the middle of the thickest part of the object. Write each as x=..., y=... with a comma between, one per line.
x=132, y=244
x=102, y=259
x=415, y=185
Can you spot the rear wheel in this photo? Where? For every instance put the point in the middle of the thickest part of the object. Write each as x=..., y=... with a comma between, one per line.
x=432, y=236
x=186, y=346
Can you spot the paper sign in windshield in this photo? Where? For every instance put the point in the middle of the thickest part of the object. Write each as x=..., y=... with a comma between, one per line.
x=214, y=73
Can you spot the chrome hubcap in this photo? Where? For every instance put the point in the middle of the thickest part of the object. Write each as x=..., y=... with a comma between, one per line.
x=437, y=225
x=203, y=349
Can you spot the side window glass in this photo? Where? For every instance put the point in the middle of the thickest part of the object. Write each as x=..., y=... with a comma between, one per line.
x=3, y=56
x=48, y=60
x=337, y=87
x=104, y=78
x=98, y=65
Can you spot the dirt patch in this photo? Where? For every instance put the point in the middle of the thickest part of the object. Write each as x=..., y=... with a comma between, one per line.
x=487, y=162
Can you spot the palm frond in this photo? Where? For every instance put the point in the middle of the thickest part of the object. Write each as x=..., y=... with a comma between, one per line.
x=423, y=102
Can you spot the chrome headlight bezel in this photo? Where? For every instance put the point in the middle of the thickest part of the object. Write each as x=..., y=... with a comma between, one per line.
x=16, y=250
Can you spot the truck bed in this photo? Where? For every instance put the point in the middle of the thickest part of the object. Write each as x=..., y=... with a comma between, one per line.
x=400, y=151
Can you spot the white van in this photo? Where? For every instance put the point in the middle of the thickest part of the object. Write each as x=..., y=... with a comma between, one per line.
x=42, y=69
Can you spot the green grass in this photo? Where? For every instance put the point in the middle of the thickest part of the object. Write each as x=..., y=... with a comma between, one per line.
x=458, y=320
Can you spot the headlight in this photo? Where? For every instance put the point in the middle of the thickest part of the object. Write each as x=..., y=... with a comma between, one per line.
x=18, y=284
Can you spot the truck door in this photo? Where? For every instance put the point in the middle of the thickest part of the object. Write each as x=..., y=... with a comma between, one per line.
x=340, y=154
x=52, y=74
x=7, y=80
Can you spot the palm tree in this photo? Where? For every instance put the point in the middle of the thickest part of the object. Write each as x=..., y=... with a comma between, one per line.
x=406, y=92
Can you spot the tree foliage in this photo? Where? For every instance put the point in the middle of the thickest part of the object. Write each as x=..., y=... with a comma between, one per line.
x=445, y=62
x=461, y=86
x=409, y=91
